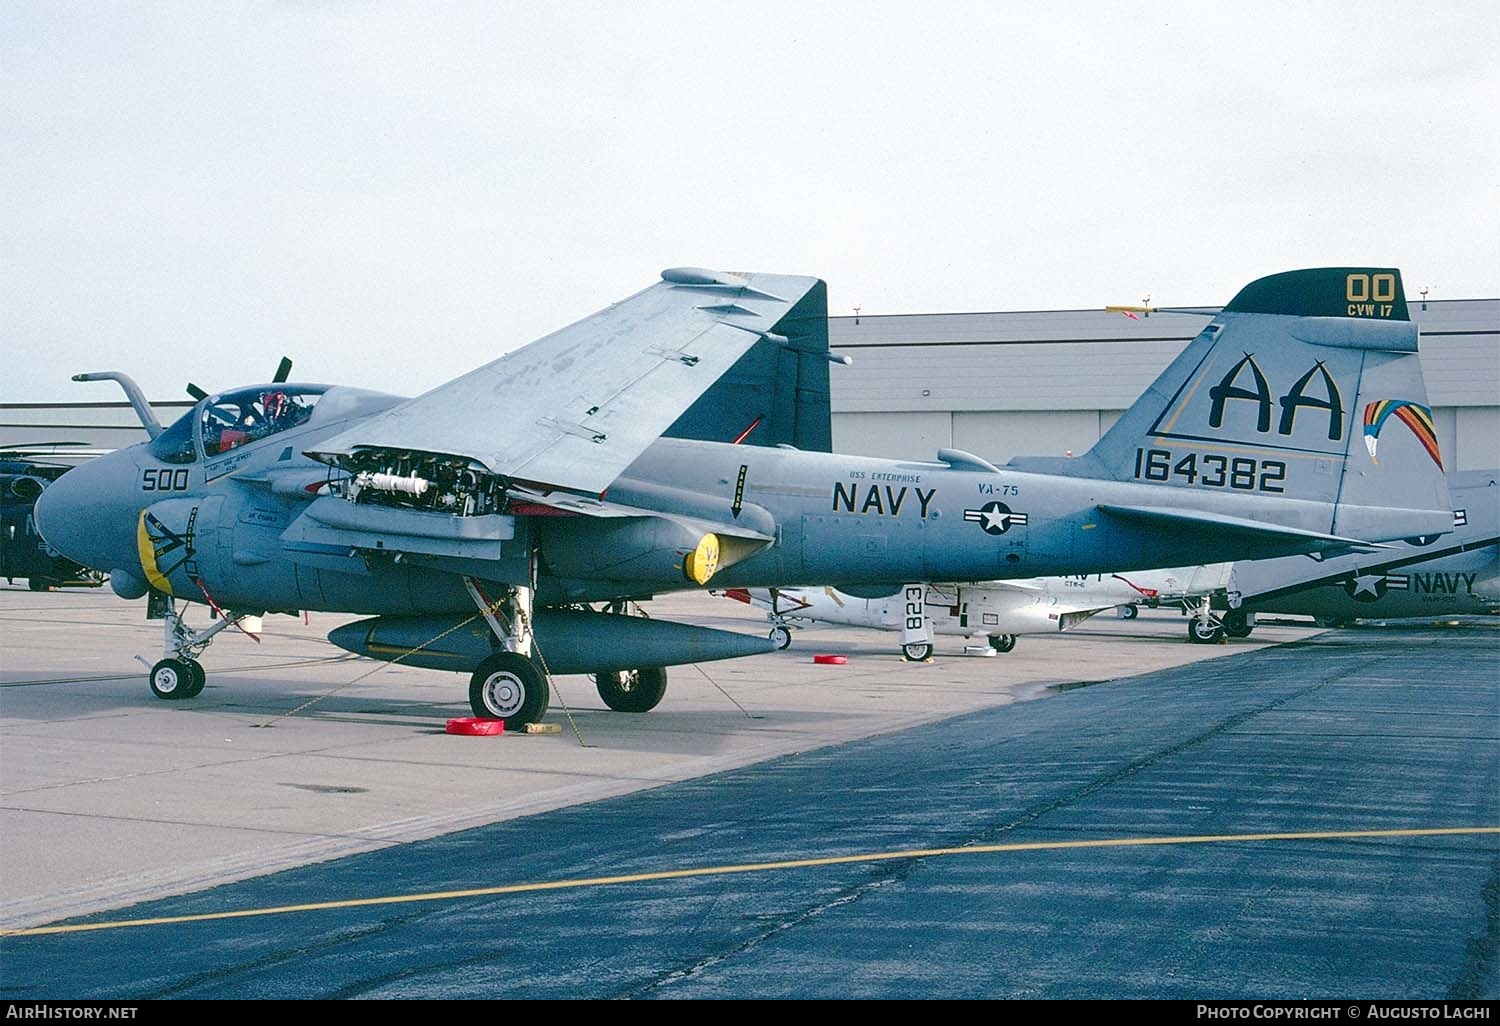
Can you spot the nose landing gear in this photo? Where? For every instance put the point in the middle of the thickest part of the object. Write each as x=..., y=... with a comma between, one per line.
x=178, y=674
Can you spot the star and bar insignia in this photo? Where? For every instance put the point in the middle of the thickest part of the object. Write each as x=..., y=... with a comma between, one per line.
x=994, y=517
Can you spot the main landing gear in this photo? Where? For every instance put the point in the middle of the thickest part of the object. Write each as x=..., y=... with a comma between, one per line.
x=508, y=686
x=1208, y=627
x=178, y=674
x=1204, y=625
x=634, y=691
x=1002, y=642
x=512, y=684
x=1238, y=623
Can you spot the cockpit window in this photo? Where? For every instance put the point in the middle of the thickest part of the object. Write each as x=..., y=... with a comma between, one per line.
x=175, y=444
x=250, y=414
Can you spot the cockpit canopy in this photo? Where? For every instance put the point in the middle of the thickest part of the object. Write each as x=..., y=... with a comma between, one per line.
x=231, y=419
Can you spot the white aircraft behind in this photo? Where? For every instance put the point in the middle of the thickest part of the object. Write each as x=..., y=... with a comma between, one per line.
x=995, y=610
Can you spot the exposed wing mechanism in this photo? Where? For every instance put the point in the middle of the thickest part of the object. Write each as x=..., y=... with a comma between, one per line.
x=575, y=408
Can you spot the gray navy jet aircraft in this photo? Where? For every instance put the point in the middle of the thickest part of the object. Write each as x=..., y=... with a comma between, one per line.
x=1456, y=574
x=502, y=524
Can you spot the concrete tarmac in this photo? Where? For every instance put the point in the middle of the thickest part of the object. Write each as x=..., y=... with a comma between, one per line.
x=302, y=777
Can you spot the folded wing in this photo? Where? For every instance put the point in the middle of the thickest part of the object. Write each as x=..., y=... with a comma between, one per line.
x=575, y=408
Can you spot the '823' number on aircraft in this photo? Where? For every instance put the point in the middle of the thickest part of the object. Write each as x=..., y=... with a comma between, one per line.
x=1210, y=470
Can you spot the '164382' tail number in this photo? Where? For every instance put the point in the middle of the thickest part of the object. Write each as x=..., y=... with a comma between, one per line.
x=1210, y=470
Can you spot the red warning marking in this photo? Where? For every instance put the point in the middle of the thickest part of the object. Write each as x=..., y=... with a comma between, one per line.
x=476, y=726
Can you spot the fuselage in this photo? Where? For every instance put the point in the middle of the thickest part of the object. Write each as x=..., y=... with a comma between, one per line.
x=206, y=518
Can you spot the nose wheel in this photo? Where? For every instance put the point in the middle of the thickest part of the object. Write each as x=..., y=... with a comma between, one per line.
x=1205, y=631
x=178, y=675
x=172, y=679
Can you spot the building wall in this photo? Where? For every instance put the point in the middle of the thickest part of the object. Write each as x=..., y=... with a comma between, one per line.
x=1043, y=383
x=999, y=385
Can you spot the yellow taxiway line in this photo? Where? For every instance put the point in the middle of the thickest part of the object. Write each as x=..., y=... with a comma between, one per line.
x=752, y=867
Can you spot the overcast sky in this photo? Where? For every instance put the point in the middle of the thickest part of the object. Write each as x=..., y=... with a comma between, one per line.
x=394, y=193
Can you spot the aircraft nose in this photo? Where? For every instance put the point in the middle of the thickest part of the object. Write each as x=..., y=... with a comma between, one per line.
x=69, y=517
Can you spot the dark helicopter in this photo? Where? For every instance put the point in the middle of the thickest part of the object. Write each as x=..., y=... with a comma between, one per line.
x=23, y=553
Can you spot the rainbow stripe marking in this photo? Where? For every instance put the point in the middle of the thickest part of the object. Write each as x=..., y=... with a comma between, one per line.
x=1413, y=415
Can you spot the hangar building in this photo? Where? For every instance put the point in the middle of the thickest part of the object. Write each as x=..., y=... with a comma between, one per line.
x=1020, y=383
x=1050, y=382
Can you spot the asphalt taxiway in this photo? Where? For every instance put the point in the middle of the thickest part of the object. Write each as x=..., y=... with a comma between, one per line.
x=1301, y=813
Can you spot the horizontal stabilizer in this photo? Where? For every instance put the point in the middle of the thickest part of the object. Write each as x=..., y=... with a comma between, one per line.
x=1161, y=518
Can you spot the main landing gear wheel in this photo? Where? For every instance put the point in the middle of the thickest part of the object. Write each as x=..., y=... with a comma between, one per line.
x=917, y=652
x=508, y=686
x=1002, y=642
x=1333, y=622
x=634, y=691
x=175, y=678
x=1204, y=631
x=781, y=637
x=1237, y=624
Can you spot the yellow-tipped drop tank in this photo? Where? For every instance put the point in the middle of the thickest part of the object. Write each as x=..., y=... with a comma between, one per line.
x=701, y=564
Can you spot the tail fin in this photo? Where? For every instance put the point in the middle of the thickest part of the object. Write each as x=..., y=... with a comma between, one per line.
x=1306, y=386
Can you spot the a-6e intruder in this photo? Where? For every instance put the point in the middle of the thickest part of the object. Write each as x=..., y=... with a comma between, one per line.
x=500, y=525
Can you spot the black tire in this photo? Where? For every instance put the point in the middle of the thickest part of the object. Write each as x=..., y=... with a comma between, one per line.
x=1002, y=642
x=917, y=652
x=632, y=691
x=781, y=637
x=508, y=686
x=172, y=679
x=40, y=584
x=1204, y=631
x=199, y=679
x=1237, y=624
x=1129, y=612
